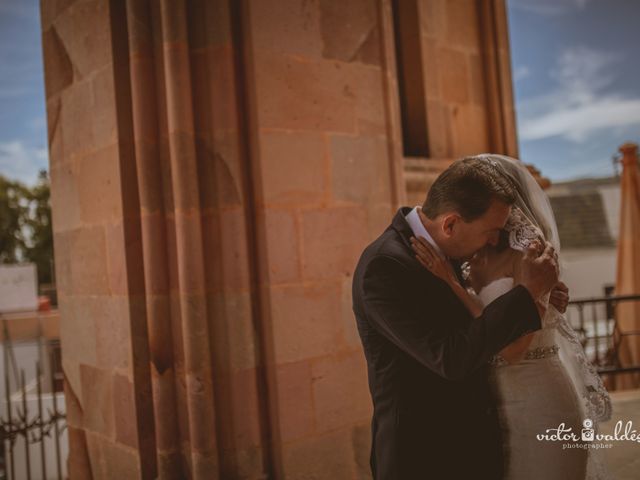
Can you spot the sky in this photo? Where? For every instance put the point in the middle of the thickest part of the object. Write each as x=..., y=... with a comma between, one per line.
x=23, y=125
x=576, y=71
x=576, y=84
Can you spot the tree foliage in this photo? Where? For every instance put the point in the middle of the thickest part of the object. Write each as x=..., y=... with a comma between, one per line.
x=25, y=224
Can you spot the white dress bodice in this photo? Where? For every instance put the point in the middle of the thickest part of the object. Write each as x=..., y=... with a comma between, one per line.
x=548, y=386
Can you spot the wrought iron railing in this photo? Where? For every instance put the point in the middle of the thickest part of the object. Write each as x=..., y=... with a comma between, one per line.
x=32, y=420
x=595, y=321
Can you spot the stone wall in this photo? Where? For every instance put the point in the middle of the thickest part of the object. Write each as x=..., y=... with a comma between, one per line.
x=217, y=167
x=466, y=70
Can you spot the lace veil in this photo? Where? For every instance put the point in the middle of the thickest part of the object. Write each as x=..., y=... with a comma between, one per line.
x=532, y=217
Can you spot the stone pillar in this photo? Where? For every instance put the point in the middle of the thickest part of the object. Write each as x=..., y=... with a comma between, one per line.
x=628, y=268
x=98, y=252
x=217, y=167
x=469, y=94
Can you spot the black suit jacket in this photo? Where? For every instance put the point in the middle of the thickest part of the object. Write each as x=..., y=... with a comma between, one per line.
x=434, y=416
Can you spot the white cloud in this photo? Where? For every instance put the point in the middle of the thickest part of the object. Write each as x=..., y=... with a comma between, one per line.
x=19, y=161
x=37, y=123
x=521, y=72
x=548, y=7
x=577, y=122
x=578, y=106
x=583, y=71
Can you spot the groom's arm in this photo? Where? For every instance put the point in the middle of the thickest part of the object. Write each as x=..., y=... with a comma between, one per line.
x=450, y=351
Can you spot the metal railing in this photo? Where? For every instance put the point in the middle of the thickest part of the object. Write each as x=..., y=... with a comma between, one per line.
x=32, y=422
x=596, y=322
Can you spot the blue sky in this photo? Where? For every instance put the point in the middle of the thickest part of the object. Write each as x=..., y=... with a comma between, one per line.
x=23, y=126
x=576, y=76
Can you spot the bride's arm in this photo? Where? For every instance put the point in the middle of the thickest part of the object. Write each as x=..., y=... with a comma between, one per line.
x=441, y=268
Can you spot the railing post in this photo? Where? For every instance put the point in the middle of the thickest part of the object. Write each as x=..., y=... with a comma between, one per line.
x=40, y=418
x=25, y=418
x=596, y=336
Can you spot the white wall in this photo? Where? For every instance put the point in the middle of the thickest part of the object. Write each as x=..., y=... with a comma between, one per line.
x=586, y=271
x=18, y=287
x=611, y=203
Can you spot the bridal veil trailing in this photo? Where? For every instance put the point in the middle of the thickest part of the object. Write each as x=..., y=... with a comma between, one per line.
x=554, y=382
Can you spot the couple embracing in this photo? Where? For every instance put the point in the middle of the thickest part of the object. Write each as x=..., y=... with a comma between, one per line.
x=461, y=315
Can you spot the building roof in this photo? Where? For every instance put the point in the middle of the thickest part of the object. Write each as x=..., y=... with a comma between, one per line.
x=581, y=185
x=581, y=220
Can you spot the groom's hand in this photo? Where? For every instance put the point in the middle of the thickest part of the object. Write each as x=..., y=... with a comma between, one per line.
x=559, y=297
x=539, y=274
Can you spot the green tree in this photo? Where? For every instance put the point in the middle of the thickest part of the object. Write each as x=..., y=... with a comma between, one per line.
x=25, y=224
x=13, y=207
x=39, y=249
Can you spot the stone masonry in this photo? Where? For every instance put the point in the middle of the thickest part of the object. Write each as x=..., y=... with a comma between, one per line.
x=217, y=167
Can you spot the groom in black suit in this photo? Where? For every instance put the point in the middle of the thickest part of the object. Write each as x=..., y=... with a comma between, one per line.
x=434, y=417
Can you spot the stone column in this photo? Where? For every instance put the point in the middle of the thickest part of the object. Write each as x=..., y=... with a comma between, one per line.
x=468, y=86
x=628, y=268
x=217, y=168
x=98, y=250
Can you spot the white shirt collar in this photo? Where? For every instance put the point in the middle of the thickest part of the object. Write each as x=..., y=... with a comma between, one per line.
x=413, y=219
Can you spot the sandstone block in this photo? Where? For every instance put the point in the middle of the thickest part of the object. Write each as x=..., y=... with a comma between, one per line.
x=282, y=246
x=340, y=392
x=65, y=197
x=454, y=75
x=288, y=26
x=233, y=335
x=97, y=179
x=295, y=401
x=294, y=167
x=433, y=18
x=320, y=457
x=469, y=130
x=305, y=320
x=360, y=169
x=76, y=119
x=97, y=400
x=440, y=134
x=124, y=409
x=82, y=263
x=350, y=31
x=462, y=24
x=333, y=241
x=58, y=71
x=84, y=30
x=303, y=94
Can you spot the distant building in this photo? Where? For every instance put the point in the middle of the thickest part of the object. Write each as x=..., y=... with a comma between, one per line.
x=587, y=213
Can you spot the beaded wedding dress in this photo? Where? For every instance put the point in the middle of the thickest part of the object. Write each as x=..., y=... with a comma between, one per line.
x=552, y=385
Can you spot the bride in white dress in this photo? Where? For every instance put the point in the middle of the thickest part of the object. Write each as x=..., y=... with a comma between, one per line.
x=543, y=380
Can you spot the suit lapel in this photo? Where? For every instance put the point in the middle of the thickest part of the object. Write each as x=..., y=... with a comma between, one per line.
x=400, y=225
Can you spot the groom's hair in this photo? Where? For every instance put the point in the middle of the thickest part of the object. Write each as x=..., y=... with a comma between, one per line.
x=468, y=187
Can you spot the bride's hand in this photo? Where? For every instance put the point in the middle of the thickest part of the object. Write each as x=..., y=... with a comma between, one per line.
x=432, y=261
x=559, y=297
